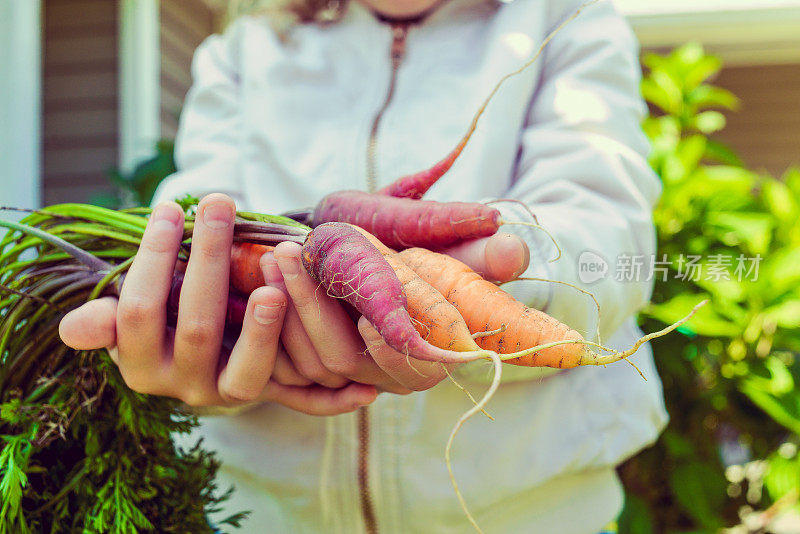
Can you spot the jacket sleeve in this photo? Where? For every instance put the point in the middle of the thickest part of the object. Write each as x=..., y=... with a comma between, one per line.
x=583, y=172
x=208, y=145
x=583, y=169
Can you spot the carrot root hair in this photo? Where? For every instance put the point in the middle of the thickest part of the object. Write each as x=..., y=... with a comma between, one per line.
x=543, y=229
x=488, y=333
x=497, y=361
x=479, y=407
x=590, y=357
x=465, y=390
x=416, y=185
x=573, y=286
x=515, y=201
x=615, y=356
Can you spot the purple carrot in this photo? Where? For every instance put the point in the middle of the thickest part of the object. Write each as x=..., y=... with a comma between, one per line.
x=417, y=184
x=351, y=268
x=404, y=223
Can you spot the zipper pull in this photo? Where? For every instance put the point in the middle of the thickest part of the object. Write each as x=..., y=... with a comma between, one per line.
x=399, y=33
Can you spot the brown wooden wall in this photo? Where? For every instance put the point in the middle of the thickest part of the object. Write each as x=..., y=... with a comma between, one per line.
x=184, y=25
x=80, y=118
x=766, y=129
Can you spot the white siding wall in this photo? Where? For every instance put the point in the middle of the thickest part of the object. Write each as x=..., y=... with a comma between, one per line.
x=20, y=84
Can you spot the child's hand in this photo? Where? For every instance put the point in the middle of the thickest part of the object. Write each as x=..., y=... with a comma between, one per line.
x=326, y=348
x=186, y=362
x=500, y=258
x=323, y=342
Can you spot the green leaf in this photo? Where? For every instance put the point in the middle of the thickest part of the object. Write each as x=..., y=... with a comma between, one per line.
x=780, y=269
x=792, y=179
x=679, y=447
x=651, y=60
x=706, y=321
x=690, y=150
x=783, y=476
x=673, y=169
x=722, y=153
x=708, y=96
x=775, y=394
x=785, y=314
x=708, y=122
x=752, y=229
x=700, y=490
x=726, y=178
x=779, y=200
x=701, y=69
x=661, y=90
x=13, y=462
x=726, y=288
x=635, y=517
x=187, y=202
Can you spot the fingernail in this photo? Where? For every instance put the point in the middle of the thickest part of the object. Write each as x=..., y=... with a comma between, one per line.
x=290, y=267
x=364, y=402
x=266, y=314
x=166, y=215
x=218, y=215
x=526, y=257
x=270, y=269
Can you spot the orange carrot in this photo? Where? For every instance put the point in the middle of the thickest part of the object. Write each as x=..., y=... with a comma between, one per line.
x=486, y=307
x=246, y=274
x=437, y=321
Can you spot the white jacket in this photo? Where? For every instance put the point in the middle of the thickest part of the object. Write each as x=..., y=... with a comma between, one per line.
x=279, y=124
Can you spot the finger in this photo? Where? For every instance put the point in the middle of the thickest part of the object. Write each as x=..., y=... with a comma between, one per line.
x=141, y=311
x=408, y=372
x=330, y=329
x=501, y=257
x=253, y=356
x=204, y=295
x=319, y=400
x=295, y=339
x=91, y=326
x=284, y=371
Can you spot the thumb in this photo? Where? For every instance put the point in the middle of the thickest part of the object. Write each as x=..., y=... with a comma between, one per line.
x=501, y=257
x=91, y=326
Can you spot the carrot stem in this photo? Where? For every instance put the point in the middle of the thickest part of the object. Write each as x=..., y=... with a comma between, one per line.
x=79, y=254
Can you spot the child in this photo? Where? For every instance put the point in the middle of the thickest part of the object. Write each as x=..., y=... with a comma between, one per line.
x=382, y=89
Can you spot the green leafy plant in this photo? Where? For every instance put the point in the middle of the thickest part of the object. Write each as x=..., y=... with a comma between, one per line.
x=80, y=451
x=732, y=235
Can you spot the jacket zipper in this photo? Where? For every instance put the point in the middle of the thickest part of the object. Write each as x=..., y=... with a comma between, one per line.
x=367, y=510
x=398, y=51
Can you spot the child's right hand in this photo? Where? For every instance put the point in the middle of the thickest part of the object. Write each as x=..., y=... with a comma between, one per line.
x=189, y=362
